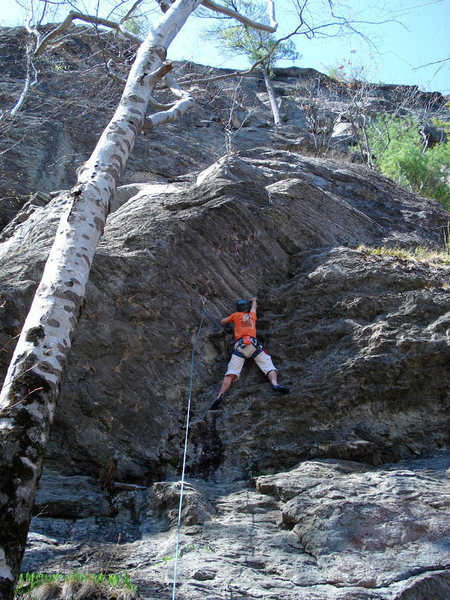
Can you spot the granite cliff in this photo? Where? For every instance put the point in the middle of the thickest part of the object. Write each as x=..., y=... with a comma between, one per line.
x=337, y=490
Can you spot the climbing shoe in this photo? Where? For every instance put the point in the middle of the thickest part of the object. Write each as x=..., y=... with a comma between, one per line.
x=281, y=389
x=217, y=402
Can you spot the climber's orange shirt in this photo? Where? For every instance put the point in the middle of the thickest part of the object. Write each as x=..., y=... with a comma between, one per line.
x=244, y=324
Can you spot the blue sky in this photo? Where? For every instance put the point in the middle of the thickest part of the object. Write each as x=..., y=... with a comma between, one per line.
x=419, y=35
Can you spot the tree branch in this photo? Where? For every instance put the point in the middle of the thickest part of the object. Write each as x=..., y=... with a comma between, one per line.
x=435, y=62
x=130, y=12
x=167, y=116
x=160, y=72
x=29, y=83
x=169, y=112
x=174, y=87
x=114, y=76
x=252, y=68
x=222, y=77
x=41, y=44
x=245, y=20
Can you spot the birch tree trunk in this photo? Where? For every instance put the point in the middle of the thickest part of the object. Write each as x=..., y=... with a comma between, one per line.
x=29, y=395
x=272, y=97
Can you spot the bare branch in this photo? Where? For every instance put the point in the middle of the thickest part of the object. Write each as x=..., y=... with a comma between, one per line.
x=169, y=112
x=38, y=389
x=10, y=339
x=30, y=81
x=114, y=76
x=221, y=77
x=167, y=116
x=87, y=19
x=436, y=62
x=174, y=87
x=159, y=105
x=130, y=12
x=245, y=20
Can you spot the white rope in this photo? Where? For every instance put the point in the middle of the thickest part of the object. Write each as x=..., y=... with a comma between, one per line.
x=185, y=453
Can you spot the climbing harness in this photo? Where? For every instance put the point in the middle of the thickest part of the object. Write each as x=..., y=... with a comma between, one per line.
x=245, y=341
x=180, y=507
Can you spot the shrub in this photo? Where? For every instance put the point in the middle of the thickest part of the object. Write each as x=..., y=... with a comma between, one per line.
x=399, y=153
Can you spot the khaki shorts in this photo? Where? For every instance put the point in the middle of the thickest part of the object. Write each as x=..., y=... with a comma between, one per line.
x=263, y=360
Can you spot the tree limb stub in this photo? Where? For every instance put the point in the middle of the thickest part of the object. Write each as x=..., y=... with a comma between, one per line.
x=159, y=73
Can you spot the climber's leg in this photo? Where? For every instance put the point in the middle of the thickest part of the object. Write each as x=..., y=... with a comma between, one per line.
x=233, y=371
x=264, y=362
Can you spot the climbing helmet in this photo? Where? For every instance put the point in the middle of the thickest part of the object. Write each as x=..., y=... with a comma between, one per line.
x=242, y=306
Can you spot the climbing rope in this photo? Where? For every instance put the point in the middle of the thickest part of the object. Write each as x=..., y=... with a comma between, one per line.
x=180, y=507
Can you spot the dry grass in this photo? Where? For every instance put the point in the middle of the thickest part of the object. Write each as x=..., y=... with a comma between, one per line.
x=418, y=254
x=77, y=587
x=78, y=590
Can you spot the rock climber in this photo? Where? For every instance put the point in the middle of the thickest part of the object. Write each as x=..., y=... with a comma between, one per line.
x=246, y=346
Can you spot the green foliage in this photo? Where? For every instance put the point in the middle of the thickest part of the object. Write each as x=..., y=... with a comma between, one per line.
x=238, y=39
x=136, y=25
x=399, y=153
x=444, y=125
x=31, y=581
x=335, y=72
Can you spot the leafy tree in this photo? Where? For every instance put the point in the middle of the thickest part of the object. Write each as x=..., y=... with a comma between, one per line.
x=258, y=46
x=400, y=153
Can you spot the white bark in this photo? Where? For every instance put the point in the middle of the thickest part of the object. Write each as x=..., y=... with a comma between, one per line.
x=168, y=115
x=28, y=397
x=30, y=81
x=272, y=97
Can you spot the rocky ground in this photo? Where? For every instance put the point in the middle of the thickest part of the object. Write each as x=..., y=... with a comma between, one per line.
x=337, y=490
x=328, y=528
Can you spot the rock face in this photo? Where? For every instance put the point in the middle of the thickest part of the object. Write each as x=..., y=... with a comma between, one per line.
x=63, y=118
x=336, y=490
